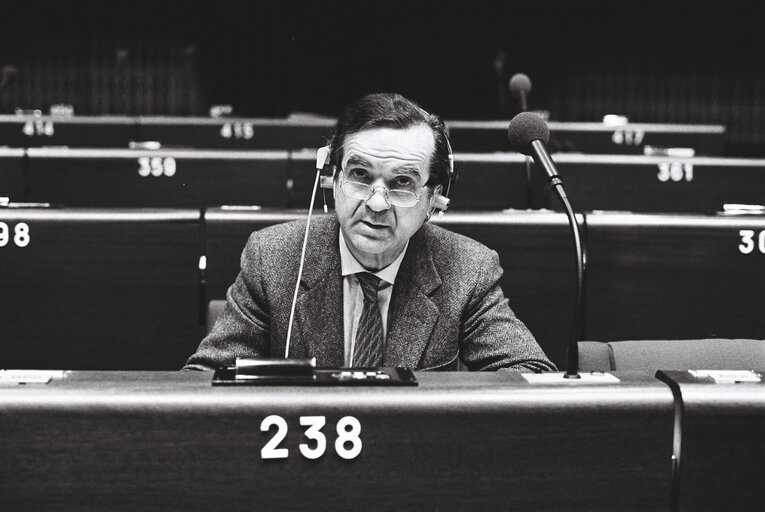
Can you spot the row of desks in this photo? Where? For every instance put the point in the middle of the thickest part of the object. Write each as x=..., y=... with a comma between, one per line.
x=284, y=179
x=127, y=289
x=261, y=133
x=457, y=441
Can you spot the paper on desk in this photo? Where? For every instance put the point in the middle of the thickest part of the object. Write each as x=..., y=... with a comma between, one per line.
x=728, y=376
x=30, y=376
x=557, y=378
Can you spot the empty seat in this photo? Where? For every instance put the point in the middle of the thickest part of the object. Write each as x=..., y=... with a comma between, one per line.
x=651, y=355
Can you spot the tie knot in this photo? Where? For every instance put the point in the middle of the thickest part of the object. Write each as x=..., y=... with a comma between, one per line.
x=369, y=284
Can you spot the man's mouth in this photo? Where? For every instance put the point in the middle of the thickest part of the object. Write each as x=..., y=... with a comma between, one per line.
x=373, y=225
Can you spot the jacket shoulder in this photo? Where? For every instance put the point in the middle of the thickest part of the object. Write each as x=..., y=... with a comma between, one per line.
x=448, y=246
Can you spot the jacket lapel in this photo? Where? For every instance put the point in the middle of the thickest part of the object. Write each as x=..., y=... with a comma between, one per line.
x=412, y=315
x=319, y=308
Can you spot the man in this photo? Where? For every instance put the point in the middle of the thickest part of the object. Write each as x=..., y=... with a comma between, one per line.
x=380, y=286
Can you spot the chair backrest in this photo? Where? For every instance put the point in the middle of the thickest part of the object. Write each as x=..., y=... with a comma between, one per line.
x=214, y=307
x=713, y=354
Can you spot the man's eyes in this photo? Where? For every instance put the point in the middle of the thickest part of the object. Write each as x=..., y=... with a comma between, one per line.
x=357, y=174
x=363, y=176
x=403, y=182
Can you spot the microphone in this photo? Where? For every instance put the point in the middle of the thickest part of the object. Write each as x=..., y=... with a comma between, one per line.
x=7, y=76
x=520, y=87
x=529, y=134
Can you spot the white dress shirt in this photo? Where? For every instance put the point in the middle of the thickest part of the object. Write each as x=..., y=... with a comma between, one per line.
x=353, y=297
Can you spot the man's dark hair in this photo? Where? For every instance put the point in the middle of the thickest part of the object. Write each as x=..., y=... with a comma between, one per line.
x=391, y=110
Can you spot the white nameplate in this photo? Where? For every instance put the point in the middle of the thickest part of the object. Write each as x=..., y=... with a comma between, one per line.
x=30, y=376
x=558, y=378
x=728, y=376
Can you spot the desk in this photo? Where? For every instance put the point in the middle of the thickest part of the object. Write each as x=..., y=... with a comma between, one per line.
x=31, y=130
x=655, y=276
x=722, y=448
x=313, y=132
x=236, y=132
x=458, y=441
x=12, y=173
x=654, y=183
x=156, y=178
x=99, y=289
x=577, y=137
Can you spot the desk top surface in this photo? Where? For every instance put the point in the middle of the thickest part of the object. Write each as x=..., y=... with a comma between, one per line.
x=467, y=391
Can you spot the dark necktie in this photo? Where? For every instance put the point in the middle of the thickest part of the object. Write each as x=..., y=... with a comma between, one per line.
x=368, y=345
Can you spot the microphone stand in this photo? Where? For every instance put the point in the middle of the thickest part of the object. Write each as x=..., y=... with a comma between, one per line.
x=556, y=183
x=572, y=354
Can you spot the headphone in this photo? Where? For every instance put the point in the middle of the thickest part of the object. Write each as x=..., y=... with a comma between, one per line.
x=327, y=179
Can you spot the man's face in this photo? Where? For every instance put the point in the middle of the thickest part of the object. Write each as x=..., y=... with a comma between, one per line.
x=375, y=231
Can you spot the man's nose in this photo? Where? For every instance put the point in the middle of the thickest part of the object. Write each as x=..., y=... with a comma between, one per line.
x=377, y=202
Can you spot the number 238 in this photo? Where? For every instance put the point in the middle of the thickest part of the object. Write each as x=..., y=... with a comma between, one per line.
x=347, y=444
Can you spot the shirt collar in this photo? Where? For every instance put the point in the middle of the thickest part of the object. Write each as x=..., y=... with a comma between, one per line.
x=350, y=265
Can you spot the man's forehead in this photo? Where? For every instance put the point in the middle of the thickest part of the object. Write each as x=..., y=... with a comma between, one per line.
x=409, y=146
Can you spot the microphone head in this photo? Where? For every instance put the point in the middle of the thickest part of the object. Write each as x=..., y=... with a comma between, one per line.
x=524, y=128
x=520, y=84
x=9, y=72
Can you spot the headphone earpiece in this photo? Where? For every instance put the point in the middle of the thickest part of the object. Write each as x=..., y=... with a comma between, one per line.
x=327, y=180
x=441, y=201
x=322, y=165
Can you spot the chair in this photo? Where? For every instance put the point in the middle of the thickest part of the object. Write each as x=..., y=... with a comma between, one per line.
x=214, y=307
x=712, y=354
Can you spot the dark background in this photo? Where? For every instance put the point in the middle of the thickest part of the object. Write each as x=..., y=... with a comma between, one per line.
x=686, y=62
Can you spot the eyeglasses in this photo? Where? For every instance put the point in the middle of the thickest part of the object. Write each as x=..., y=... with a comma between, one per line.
x=402, y=195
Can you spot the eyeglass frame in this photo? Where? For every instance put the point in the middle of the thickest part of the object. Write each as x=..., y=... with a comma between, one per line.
x=373, y=188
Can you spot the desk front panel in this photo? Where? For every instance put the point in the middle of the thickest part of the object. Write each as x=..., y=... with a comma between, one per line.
x=675, y=276
x=655, y=184
x=140, y=178
x=236, y=133
x=575, y=137
x=475, y=442
x=12, y=173
x=86, y=131
x=722, y=457
x=99, y=289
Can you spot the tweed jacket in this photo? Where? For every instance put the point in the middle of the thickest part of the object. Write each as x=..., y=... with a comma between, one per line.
x=446, y=304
